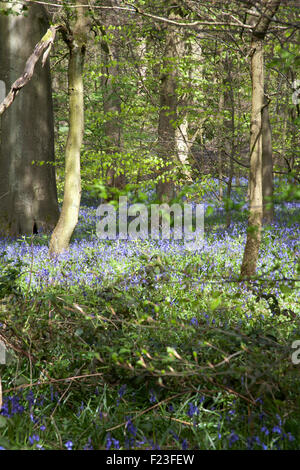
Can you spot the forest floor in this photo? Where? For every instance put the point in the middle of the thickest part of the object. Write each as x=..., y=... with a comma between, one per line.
x=145, y=345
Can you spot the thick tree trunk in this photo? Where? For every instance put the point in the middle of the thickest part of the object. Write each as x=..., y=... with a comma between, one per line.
x=68, y=219
x=28, y=199
x=267, y=164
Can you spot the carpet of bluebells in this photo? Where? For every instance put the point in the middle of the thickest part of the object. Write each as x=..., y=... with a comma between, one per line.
x=141, y=344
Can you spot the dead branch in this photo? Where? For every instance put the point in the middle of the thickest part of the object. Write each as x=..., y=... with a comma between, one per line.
x=42, y=47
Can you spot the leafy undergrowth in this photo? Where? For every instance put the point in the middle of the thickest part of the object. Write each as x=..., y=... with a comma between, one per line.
x=143, y=345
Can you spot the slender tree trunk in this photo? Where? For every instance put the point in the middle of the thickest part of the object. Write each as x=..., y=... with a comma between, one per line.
x=111, y=99
x=72, y=189
x=229, y=124
x=181, y=138
x=183, y=142
x=220, y=148
x=267, y=164
x=28, y=199
x=250, y=258
x=255, y=184
x=167, y=119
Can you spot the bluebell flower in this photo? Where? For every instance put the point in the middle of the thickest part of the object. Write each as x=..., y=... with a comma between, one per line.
x=122, y=391
x=265, y=430
x=233, y=438
x=276, y=429
x=80, y=409
x=131, y=428
x=30, y=398
x=193, y=409
x=34, y=438
x=69, y=445
x=152, y=397
x=184, y=444
x=110, y=441
x=174, y=435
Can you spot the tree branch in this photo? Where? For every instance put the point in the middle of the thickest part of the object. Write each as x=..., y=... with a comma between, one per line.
x=42, y=47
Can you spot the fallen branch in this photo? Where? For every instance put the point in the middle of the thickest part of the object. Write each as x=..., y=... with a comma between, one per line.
x=42, y=47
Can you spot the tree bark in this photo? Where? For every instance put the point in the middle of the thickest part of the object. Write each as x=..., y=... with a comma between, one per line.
x=267, y=164
x=220, y=149
x=229, y=125
x=28, y=199
x=167, y=119
x=255, y=184
x=68, y=219
x=251, y=253
x=111, y=105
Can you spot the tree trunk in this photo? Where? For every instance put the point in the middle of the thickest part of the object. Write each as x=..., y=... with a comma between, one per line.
x=267, y=164
x=220, y=148
x=255, y=184
x=167, y=120
x=72, y=189
x=229, y=125
x=111, y=98
x=28, y=199
x=250, y=258
x=183, y=140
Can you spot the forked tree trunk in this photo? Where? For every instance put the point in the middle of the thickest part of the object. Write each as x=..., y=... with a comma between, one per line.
x=68, y=219
x=28, y=199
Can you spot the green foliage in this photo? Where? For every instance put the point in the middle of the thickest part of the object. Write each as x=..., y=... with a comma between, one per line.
x=10, y=272
x=221, y=358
